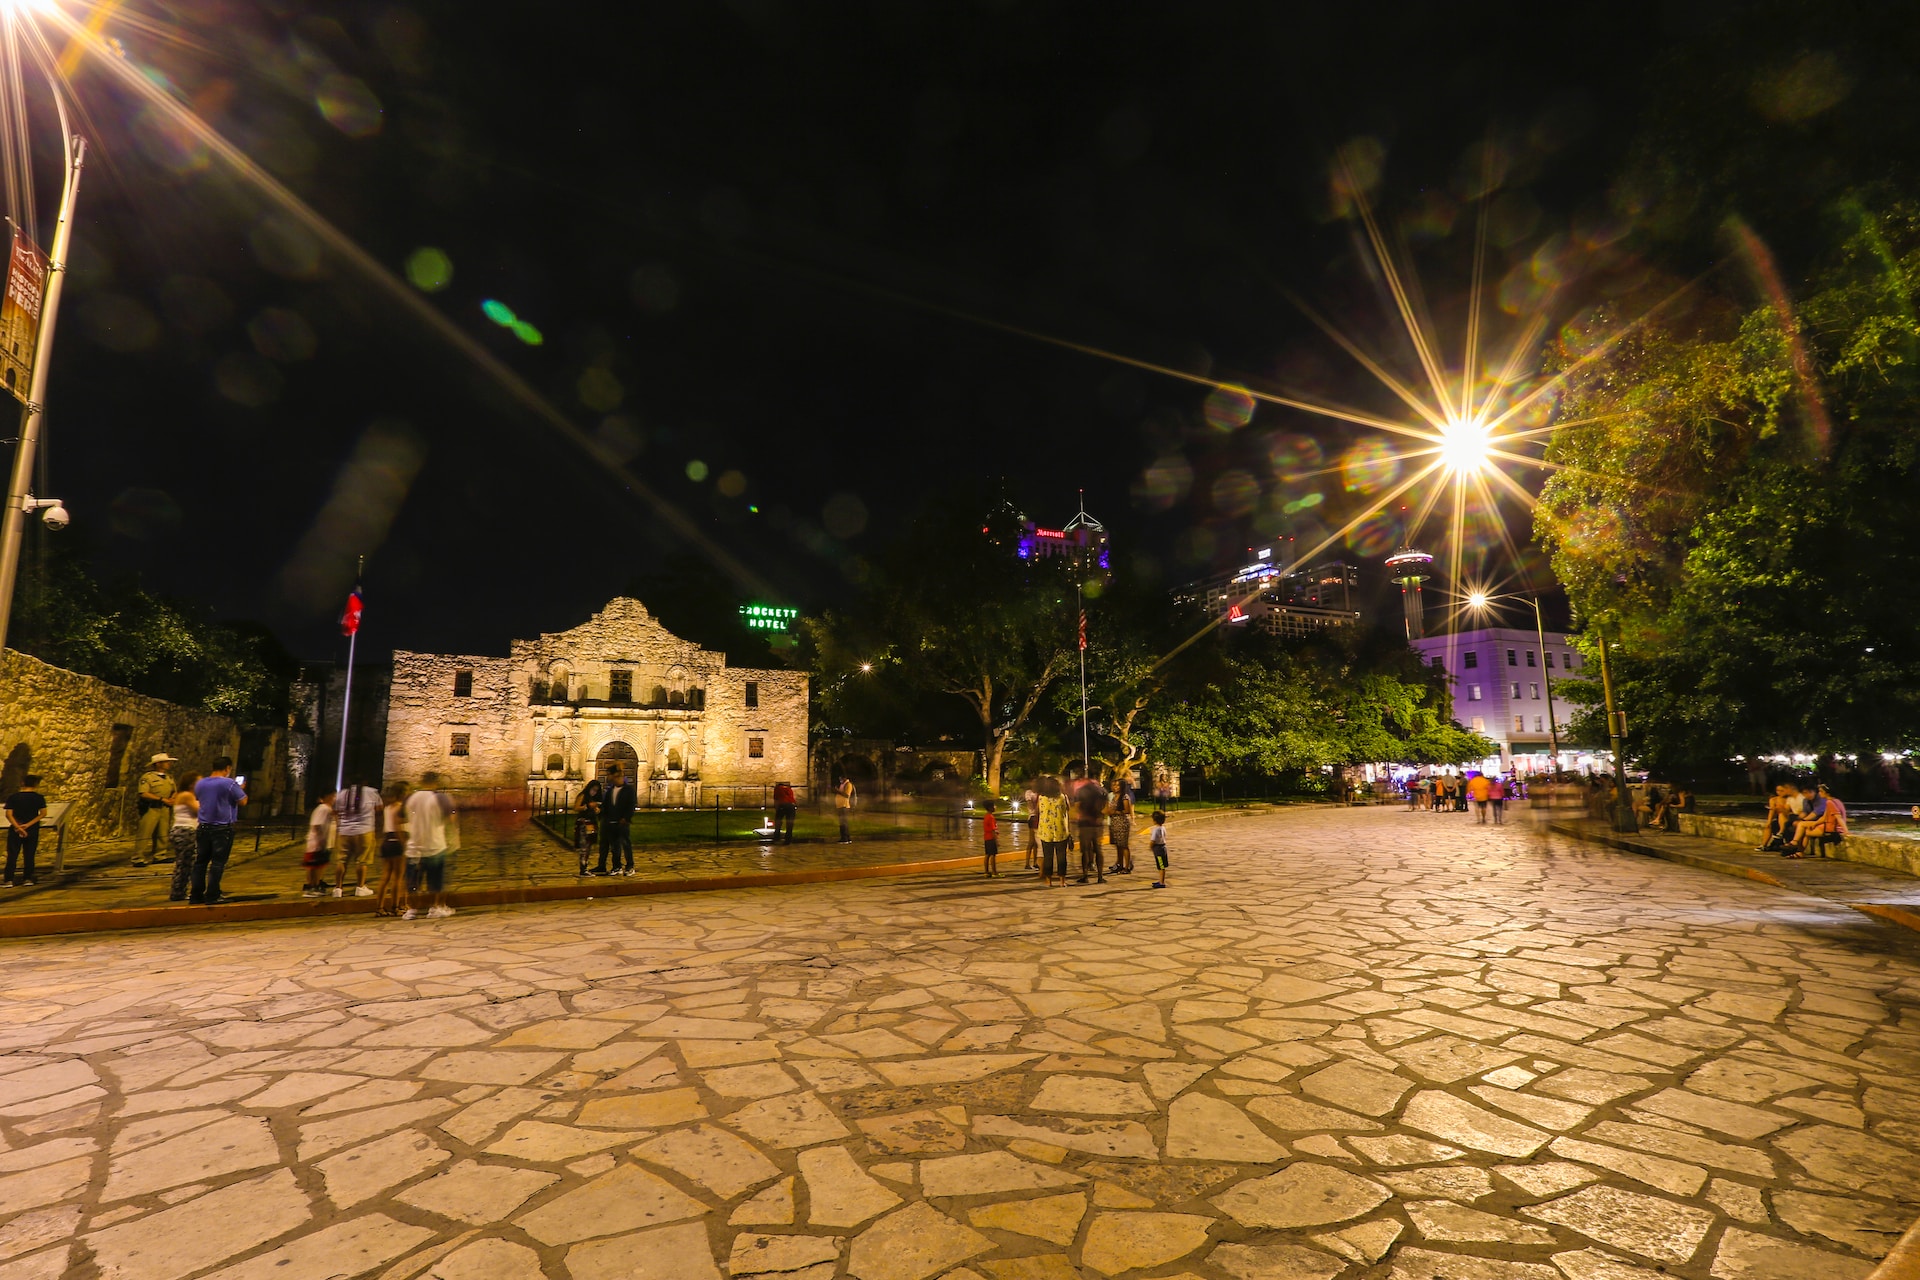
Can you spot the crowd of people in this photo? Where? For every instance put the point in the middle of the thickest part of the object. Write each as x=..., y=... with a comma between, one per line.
x=1802, y=820
x=1078, y=811
x=1485, y=794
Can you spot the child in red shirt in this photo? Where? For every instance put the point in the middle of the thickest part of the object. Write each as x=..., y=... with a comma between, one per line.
x=990, y=830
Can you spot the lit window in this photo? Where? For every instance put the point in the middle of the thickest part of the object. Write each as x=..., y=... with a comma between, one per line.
x=1533, y=691
x=460, y=744
x=1472, y=659
x=756, y=748
x=1529, y=657
x=1473, y=693
x=620, y=687
x=753, y=693
x=1519, y=724
x=1479, y=725
x=1513, y=659
x=463, y=684
x=1515, y=686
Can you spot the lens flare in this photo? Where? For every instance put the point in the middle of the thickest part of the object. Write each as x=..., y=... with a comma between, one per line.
x=1466, y=445
x=1228, y=409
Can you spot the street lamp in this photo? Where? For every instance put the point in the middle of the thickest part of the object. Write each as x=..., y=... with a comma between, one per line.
x=1546, y=665
x=1623, y=819
x=20, y=500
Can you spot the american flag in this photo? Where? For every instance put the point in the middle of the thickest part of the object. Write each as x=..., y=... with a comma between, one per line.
x=350, y=616
x=1083, y=631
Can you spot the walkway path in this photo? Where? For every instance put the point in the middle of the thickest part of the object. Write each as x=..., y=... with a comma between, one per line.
x=1365, y=1043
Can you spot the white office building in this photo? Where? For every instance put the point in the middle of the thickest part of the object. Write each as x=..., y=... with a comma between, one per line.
x=1501, y=678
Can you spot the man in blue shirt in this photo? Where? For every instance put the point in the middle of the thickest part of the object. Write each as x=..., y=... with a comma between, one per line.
x=221, y=798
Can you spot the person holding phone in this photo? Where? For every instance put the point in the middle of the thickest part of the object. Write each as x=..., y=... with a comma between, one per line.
x=221, y=797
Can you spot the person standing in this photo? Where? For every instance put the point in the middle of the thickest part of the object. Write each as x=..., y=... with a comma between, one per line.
x=220, y=798
x=156, y=808
x=843, y=807
x=616, y=835
x=786, y=807
x=392, y=896
x=25, y=808
x=432, y=833
x=1054, y=829
x=356, y=824
x=1497, y=797
x=1120, y=828
x=586, y=819
x=182, y=834
x=1090, y=808
x=319, y=847
x=1031, y=799
x=990, y=840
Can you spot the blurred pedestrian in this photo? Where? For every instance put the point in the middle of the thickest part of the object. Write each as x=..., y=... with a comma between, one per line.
x=432, y=833
x=843, y=807
x=221, y=797
x=1480, y=791
x=1497, y=797
x=356, y=821
x=1120, y=827
x=319, y=847
x=182, y=835
x=990, y=840
x=1090, y=809
x=1159, y=841
x=786, y=808
x=391, y=898
x=25, y=808
x=155, y=801
x=1031, y=799
x=1052, y=823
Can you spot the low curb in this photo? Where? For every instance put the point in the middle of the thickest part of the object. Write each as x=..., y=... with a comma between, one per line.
x=1893, y=915
x=171, y=915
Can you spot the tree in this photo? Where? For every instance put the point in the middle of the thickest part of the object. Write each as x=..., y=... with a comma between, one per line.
x=1738, y=509
x=159, y=647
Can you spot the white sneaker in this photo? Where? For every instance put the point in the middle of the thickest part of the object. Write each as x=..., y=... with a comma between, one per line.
x=409, y=914
x=440, y=913
x=363, y=892
x=334, y=892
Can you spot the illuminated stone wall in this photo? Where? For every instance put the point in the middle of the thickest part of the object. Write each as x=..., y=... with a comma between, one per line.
x=60, y=724
x=545, y=714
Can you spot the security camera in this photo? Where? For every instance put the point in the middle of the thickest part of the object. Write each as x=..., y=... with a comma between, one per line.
x=52, y=513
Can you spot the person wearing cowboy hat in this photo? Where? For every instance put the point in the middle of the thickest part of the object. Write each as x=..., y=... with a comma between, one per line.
x=156, y=810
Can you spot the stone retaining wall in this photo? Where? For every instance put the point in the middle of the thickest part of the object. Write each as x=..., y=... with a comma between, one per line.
x=1894, y=854
x=67, y=728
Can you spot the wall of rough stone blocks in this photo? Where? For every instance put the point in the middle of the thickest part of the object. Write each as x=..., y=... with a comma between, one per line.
x=59, y=724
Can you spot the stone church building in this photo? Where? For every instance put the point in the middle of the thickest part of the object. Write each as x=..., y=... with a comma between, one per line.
x=619, y=689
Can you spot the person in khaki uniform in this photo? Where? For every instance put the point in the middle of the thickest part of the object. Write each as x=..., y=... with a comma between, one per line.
x=156, y=811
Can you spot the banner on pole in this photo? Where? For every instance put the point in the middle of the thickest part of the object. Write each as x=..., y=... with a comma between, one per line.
x=20, y=312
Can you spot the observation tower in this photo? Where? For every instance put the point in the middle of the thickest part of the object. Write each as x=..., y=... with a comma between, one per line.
x=1409, y=567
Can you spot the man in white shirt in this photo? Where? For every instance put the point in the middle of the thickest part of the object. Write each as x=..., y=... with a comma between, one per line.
x=356, y=821
x=432, y=833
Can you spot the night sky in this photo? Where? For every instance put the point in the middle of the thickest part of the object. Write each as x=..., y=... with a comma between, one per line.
x=765, y=236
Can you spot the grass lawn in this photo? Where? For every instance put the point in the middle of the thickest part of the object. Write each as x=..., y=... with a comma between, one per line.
x=692, y=826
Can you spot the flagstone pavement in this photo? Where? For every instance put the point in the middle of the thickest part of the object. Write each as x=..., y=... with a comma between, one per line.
x=1343, y=1043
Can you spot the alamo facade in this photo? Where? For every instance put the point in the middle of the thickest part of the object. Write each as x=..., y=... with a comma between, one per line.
x=618, y=689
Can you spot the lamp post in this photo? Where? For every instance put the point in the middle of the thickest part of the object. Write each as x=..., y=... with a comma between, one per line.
x=1623, y=819
x=1553, y=725
x=20, y=499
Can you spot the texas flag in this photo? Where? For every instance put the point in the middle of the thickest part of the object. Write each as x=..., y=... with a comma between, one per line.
x=350, y=616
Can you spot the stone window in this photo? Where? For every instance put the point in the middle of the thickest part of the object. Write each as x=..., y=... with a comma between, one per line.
x=1471, y=659
x=1473, y=693
x=538, y=694
x=117, y=741
x=1513, y=659
x=1519, y=724
x=620, y=687
x=463, y=684
x=556, y=763
x=756, y=748
x=753, y=693
x=1529, y=657
x=460, y=744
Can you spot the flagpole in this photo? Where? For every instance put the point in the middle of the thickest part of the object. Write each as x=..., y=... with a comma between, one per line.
x=346, y=695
